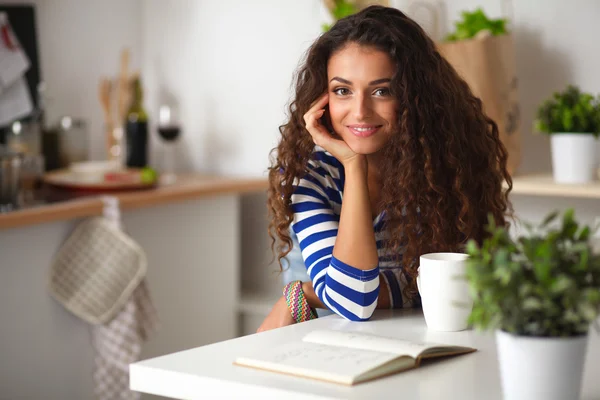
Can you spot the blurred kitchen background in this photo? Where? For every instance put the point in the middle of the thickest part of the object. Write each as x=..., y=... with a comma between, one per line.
x=224, y=69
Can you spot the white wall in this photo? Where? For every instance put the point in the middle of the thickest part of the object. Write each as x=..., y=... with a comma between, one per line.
x=229, y=64
x=79, y=42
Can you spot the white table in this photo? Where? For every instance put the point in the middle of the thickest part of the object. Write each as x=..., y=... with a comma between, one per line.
x=207, y=372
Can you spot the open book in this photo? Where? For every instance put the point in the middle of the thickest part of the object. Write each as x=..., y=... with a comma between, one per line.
x=347, y=357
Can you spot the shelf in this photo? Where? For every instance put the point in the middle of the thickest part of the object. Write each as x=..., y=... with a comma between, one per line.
x=256, y=303
x=544, y=185
x=192, y=186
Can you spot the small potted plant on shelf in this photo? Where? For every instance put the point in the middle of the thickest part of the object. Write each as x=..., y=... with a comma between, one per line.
x=572, y=119
x=540, y=293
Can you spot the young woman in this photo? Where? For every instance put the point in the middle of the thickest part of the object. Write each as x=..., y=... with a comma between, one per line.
x=386, y=155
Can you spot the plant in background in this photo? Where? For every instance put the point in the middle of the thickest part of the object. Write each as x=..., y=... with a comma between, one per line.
x=339, y=9
x=569, y=111
x=546, y=284
x=475, y=22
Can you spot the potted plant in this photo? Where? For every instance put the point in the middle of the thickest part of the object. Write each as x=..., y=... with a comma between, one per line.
x=342, y=8
x=476, y=24
x=572, y=119
x=540, y=293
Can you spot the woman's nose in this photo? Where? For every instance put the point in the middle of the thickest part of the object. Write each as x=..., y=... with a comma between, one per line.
x=361, y=107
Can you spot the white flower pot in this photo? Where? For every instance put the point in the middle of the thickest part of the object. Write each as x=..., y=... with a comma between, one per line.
x=534, y=368
x=573, y=157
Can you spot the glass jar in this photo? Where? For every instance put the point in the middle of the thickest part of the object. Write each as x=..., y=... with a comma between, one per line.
x=10, y=180
x=24, y=137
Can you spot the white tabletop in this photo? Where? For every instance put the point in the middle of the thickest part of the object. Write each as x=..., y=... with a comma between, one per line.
x=208, y=372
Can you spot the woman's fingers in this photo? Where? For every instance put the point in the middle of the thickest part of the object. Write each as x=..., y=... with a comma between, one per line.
x=315, y=128
x=319, y=103
x=311, y=119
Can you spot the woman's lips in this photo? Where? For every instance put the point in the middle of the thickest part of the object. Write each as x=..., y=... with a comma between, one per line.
x=363, y=130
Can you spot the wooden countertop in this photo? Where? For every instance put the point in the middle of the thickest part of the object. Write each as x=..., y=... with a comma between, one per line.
x=544, y=185
x=187, y=187
x=196, y=186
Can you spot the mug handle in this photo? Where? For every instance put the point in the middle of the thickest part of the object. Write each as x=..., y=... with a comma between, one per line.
x=419, y=283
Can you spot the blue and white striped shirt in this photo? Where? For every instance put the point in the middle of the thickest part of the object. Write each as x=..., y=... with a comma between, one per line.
x=348, y=291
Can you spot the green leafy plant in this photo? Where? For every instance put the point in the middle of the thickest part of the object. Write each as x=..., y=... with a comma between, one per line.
x=569, y=111
x=342, y=9
x=546, y=283
x=474, y=22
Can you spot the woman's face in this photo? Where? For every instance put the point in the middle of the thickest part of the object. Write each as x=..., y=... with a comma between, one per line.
x=362, y=110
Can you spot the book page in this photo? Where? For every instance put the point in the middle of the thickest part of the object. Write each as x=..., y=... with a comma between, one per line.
x=313, y=360
x=366, y=341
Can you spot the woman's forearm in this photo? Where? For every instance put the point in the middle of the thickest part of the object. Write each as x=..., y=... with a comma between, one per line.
x=383, y=300
x=355, y=244
x=353, y=259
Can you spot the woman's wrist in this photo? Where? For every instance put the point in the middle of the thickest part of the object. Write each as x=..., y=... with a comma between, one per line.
x=297, y=302
x=311, y=297
x=356, y=164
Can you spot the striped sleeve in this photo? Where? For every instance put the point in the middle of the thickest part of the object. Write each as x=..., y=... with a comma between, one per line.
x=348, y=291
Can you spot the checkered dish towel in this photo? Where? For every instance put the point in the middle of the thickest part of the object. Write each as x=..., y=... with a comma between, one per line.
x=99, y=275
x=119, y=343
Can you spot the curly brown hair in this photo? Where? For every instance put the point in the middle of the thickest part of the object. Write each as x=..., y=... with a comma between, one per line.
x=443, y=169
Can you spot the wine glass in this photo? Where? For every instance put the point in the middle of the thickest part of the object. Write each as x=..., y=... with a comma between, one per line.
x=169, y=129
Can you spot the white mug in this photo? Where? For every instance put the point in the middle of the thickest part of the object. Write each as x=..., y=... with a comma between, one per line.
x=444, y=291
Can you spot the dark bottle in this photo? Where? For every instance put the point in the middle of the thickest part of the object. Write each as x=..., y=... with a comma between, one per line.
x=136, y=129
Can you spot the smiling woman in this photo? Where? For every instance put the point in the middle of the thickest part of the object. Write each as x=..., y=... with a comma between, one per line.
x=386, y=155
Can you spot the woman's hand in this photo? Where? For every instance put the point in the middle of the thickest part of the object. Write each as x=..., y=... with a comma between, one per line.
x=279, y=316
x=337, y=147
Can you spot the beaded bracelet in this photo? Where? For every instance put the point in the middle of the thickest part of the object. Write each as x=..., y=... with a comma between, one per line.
x=296, y=302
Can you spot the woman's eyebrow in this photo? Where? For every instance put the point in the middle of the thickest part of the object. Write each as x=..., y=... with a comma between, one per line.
x=380, y=81
x=347, y=82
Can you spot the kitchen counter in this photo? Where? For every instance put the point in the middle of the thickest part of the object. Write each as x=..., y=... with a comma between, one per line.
x=192, y=186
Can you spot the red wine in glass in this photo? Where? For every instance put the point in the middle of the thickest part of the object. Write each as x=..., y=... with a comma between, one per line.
x=169, y=133
x=169, y=130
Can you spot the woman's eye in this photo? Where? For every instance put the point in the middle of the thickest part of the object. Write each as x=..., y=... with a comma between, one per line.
x=382, y=92
x=341, y=91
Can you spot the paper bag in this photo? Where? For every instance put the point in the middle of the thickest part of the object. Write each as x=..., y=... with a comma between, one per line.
x=488, y=66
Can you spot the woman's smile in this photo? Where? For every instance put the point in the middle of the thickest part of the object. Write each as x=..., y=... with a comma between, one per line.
x=363, y=130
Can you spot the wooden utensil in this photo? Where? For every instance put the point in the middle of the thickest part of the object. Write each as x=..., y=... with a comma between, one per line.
x=124, y=92
x=115, y=99
x=104, y=93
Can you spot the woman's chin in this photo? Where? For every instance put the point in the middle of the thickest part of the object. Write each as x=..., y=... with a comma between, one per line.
x=365, y=148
